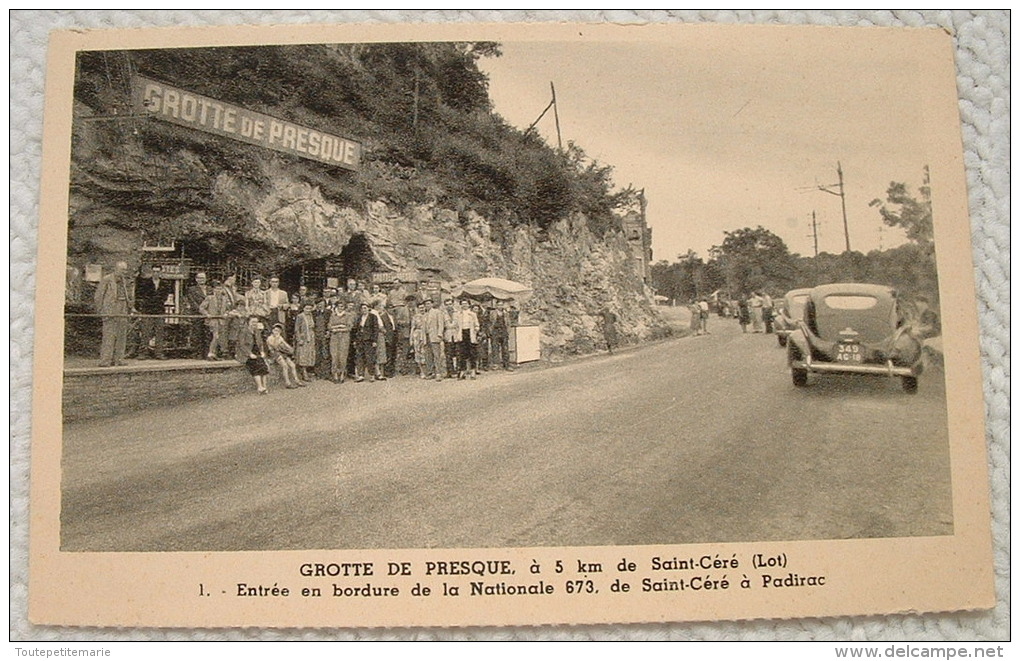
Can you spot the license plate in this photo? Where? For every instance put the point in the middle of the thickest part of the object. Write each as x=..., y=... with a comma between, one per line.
x=849, y=352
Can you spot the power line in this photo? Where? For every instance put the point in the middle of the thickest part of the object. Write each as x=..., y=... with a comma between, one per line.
x=835, y=189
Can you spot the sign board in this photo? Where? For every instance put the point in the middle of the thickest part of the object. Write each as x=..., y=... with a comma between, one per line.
x=170, y=270
x=393, y=276
x=177, y=106
x=525, y=344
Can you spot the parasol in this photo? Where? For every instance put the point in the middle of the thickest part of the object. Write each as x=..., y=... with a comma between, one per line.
x=495, y=287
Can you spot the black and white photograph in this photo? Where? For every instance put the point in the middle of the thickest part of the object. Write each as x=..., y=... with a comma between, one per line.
x=345, y=296
x=678, y=290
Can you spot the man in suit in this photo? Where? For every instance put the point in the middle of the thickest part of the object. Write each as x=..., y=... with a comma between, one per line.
x=435, y=327
x=389, y=334
x=451, y=337
x=150, y=298
x=201, y=335
x=366, y=336
x=279, y=303
x=113, y=297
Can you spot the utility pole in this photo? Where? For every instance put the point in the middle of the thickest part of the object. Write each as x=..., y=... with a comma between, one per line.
x=814, y=232
x=556, y=115
x=842, y=197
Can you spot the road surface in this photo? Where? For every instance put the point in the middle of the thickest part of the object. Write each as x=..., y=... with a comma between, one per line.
x=698, y=439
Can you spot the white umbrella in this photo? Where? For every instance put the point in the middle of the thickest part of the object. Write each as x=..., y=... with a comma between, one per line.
x=495, y=287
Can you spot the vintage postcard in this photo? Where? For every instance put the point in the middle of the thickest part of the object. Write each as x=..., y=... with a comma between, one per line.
x=454, y=325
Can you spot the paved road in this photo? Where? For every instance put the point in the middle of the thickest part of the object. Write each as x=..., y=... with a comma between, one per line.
x=700, y=439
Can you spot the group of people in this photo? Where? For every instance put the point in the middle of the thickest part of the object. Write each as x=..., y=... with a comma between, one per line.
x=755, y=311
x=360, y=333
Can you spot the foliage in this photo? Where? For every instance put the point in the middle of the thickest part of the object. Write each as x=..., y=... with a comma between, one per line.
x=753, y=260
x=422, y=111
x=689, y=278
x=906, y=268
x=903, y=210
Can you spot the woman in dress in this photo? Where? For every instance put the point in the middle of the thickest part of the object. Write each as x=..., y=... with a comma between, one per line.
x=743, y=314
x=695, y=317
x=419, y=343
x=304, y=340
x=251, y=351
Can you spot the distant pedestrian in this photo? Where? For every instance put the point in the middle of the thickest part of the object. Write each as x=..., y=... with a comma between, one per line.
x=695, y=311
x=756, y=302
x=743, y=314
x=767, y=311
x=703, y=316
x=609, y=332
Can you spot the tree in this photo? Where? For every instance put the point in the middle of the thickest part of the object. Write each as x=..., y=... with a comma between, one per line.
x=901, y=209
x=753, y=259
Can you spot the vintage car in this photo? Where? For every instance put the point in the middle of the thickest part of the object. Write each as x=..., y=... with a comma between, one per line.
x=853, y=329
x=788, y=313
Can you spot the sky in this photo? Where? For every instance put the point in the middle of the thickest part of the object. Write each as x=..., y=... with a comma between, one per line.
x=727, y=132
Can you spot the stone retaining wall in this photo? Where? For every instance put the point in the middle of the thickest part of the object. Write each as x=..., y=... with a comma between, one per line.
x=90, y=394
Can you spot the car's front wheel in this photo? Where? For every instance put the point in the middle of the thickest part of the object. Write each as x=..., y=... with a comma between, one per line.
x=781, y=339
x=799, y=377
x=910, y=384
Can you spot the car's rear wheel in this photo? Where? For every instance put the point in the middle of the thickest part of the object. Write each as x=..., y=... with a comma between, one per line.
x=910, y=384
x=781, y=339
x=799, y=377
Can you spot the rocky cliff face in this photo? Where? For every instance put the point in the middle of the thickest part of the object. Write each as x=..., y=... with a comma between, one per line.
x=274, y=215
x=574, y=274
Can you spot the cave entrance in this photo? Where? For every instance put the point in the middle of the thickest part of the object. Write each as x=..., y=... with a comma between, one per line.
x=356, y=261
x=219, y=257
